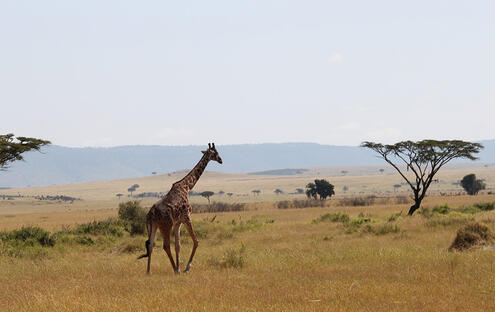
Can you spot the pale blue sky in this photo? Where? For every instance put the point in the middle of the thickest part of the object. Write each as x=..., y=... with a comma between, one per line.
x=106, y=73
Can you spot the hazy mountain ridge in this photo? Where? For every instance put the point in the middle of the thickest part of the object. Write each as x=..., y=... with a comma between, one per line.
x=63, y=165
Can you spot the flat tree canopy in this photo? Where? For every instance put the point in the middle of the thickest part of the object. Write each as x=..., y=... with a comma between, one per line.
x=12, y=148
x=423, y=159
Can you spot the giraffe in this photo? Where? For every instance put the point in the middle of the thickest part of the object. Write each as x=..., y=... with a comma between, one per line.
x=173, y=210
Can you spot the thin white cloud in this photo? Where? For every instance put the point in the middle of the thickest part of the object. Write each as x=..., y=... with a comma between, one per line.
x=335, y=58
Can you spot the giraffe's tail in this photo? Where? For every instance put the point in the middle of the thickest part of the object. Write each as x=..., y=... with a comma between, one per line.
x=148, y=251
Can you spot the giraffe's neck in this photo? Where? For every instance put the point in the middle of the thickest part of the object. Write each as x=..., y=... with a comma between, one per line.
x=193, y=176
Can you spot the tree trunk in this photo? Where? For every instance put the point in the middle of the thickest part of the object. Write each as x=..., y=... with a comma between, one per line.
x=414, y=207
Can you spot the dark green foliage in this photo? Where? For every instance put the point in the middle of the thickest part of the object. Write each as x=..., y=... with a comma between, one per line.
x=12, y=148
x=472, y=185
x=423, y=159
x=320, y=188
x=472, y=235
x=134, y=217
x=485, y=206
x=84, y=240
x=111, y=227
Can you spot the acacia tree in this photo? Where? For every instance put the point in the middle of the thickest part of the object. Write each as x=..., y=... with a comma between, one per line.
x=12, y=148
x=423, y=159
x=321, y=188
x=207, y=194
x=472, y=185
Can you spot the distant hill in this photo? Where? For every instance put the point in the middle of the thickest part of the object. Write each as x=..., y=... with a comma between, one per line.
x=63, y=165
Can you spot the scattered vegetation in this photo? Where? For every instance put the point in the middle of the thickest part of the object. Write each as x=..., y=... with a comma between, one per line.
x=332, y=217
x=218, y=207
x=301, y=203
x=232, y=258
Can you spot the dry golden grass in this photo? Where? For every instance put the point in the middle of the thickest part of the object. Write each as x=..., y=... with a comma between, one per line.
x=291, y=264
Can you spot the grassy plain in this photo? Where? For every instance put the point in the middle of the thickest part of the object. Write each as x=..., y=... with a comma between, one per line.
x=289, y=262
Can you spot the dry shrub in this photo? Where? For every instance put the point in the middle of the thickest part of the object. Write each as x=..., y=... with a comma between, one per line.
x=472, y=235
x=302, y=203
x=218, y=207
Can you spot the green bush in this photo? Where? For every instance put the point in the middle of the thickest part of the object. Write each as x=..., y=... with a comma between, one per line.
x=134, y=217
x=485, y=206
x=30, y=236
x=112, y=227
x=332, y=217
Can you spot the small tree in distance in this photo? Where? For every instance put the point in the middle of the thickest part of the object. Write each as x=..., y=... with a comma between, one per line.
x=256, y=192
x=207, y=195
x=472, y=185
x=321, y=188
x=119, y=195
x=278, y=191
x=422, y=159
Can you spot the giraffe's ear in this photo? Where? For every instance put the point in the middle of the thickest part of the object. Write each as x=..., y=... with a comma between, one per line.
x=204, y=152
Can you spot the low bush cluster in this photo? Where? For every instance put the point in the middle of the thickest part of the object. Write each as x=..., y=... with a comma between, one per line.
x=352, y=225
x=302, y=203
x=444, y=215
x=332, y=217
x=218, y=207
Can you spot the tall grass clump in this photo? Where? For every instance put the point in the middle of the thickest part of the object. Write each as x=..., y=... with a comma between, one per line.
x=381, y=229
x=232, y=258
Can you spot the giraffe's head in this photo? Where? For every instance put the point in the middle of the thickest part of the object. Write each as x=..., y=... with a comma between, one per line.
x=212, y=153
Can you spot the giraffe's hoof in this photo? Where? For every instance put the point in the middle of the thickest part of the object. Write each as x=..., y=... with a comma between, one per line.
x=177, y=272
x=188, y=267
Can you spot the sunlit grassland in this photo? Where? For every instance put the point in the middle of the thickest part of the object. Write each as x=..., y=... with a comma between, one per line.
x=290, y=262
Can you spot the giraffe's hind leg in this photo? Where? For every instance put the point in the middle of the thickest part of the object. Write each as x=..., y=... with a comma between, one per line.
x=165, y=230
x=150, y=242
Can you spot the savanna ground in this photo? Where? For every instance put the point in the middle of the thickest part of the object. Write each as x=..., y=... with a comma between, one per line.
x=336, y=258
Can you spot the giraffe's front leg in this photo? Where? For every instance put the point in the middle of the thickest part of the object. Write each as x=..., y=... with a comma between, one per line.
x=177, y=247
x=188, y=225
